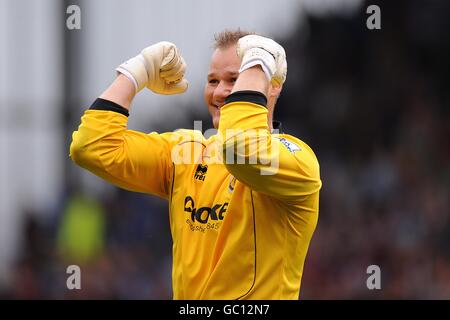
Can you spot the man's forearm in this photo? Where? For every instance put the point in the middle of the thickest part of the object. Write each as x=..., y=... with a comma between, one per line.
x=252, y=79
x=121, y=91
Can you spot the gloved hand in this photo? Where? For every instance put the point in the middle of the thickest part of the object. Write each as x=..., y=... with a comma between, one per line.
x=159, y=67
x=254, y=50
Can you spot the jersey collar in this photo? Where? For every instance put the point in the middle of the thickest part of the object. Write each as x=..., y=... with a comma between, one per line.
x=277, y=126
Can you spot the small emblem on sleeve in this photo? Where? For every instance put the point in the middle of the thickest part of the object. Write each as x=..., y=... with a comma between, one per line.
x=292, y=147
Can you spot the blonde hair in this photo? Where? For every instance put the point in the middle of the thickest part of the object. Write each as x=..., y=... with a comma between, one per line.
x=228, y=38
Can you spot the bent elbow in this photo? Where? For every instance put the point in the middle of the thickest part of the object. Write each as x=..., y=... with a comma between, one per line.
x=78, y=151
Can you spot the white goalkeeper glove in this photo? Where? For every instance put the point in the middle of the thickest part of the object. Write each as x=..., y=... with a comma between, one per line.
x=159, y=67
x=257, y=50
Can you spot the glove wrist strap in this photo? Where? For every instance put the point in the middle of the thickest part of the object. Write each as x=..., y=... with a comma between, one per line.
x=134, y=69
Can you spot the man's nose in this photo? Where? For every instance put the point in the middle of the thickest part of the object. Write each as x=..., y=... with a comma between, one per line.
x=222, y=91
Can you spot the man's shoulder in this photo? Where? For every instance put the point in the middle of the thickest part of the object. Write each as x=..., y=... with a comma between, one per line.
x=293, y=144
x=302, y=151
x=304, y=159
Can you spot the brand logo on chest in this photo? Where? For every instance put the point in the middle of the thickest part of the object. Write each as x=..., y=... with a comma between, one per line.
x=200, y=172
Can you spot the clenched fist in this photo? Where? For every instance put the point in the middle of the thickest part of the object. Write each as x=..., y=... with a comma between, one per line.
x=159, y=67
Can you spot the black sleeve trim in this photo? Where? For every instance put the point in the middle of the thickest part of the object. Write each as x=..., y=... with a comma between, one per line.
x=102, y=104
x=248, y=96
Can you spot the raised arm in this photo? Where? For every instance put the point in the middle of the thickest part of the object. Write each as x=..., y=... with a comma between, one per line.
x=121, y=92
x=280, y=166
x=129, y=159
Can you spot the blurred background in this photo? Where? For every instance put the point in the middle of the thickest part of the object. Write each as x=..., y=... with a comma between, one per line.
x=373, y=104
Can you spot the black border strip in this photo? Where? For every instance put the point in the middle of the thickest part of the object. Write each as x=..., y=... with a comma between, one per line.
x=421, y=309
x=247, y=96
x=102, y=104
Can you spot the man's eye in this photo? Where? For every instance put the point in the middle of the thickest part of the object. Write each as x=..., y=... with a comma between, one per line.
x=213, y=81
x=233, y=80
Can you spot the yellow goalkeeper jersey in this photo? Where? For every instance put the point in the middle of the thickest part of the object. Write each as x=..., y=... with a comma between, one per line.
x=238, y=232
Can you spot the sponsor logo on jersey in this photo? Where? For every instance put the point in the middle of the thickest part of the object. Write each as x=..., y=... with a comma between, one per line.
x=200, y=172
x=204, y=214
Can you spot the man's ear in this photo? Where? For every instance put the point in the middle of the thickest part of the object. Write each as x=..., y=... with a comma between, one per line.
x=275, y=90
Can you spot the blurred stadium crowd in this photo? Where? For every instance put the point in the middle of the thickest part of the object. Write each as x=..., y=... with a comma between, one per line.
x=374, y=105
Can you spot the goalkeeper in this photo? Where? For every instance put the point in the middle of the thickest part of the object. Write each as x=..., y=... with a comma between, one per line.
x=240, y=228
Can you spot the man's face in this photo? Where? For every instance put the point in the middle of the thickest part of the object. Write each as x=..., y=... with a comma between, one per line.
x=222, y=74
